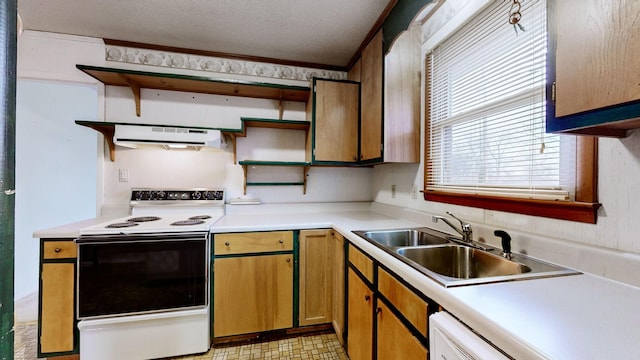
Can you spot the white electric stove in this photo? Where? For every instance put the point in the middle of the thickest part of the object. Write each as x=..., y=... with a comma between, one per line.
x=143, y=287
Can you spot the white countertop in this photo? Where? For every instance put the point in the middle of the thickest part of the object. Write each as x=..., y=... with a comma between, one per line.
x=570, y=317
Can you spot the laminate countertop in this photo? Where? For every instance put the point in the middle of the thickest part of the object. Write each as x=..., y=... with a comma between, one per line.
x=570, y=317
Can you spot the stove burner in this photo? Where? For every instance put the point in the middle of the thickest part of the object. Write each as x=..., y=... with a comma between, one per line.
x=200, y=217
x=187, y=222
x=121, y=225
x=143, y=219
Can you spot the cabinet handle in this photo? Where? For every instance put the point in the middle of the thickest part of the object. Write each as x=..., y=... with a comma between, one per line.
x=378, y=310
x=281, y=241
x=367, y=298
x=57, y=250
x=288, y=260
x=227, y=243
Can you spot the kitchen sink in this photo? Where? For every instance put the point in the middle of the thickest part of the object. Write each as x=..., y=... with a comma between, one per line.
x=462, y=262
x=405, y=237
x=448, y=261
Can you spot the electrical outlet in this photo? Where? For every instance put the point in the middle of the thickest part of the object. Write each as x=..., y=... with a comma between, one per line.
x=123, y=175
x=393, y=191
x=414, y=191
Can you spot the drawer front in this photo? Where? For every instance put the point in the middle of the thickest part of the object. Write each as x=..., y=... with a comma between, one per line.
x=406, y=301
x=362, y=262
x=59, y=250
x=254, y=242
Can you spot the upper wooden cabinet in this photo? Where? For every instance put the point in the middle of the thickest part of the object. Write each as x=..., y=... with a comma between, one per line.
x=333, y=111
x=371, y=104
x=597, y=67
x=402, y=99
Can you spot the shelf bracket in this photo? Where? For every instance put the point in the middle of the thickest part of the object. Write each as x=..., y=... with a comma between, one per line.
x=107, y=131
x=135, y=89
x=244, y=169
x=280, y=107
x=306, y=175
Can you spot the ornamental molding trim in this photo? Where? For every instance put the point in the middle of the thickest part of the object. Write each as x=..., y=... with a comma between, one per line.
x=219, y=65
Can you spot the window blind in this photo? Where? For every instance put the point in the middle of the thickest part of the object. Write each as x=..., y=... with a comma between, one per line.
x=487, y=111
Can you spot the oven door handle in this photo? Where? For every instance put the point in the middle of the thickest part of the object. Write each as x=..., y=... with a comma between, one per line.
x=128, y=238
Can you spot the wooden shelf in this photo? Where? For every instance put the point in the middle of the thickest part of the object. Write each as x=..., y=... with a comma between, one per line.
x=263, y=123
x=304, y=165
x=137, y=80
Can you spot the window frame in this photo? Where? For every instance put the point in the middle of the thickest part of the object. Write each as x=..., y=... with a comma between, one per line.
x=585, y=206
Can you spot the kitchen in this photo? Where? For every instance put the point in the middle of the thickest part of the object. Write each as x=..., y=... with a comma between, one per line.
x=607, y=249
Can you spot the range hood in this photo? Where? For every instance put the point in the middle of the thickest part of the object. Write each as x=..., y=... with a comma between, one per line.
x=169, y=136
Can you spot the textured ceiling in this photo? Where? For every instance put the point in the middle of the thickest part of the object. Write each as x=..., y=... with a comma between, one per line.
x=313, y=31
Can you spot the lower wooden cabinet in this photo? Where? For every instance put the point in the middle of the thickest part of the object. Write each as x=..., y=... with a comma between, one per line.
x=386, y=319
x=338, y=286
x=394, y=340
x=56, y=315
x=252, y=294
x=360, y=318
x=316, y=277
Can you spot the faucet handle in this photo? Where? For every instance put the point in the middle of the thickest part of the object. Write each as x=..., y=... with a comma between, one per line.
x=506, y=242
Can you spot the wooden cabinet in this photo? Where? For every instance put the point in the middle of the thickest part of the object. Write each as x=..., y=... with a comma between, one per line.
x=338, y=286
x=398, y=328
x=395, y=341
x=316, y=277
x=371, y=105
x=402, y=99
x=360, y=318
x=56, y=315
x=252, y=293
x=597, y=57
x=333, y=111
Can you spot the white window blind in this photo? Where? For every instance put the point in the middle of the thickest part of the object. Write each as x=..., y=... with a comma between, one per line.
x=487, y=111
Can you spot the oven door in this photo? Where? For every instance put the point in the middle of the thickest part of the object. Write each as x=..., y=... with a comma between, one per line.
x=142, y=273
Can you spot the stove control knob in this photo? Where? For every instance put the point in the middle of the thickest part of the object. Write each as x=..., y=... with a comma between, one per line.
x=152, y=195
x=184, y=196
x=161, y=195
x=196, y=195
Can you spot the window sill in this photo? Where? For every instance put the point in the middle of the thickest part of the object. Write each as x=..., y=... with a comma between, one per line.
x=563, y=210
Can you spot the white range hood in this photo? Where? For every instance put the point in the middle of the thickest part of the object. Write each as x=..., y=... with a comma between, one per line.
x=169, y=136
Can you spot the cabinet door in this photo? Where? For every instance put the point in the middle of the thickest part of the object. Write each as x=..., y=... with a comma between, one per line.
x=371, y=106
x=252, y=294
x=335, y=124
x=360, y=319
x=395, y=341
x=57, y=304
x=316, y=277
x=402, y=99
x=338, y=286
x=597, y=65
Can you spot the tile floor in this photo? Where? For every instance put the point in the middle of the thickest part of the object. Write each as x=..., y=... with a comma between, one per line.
x=324, y=346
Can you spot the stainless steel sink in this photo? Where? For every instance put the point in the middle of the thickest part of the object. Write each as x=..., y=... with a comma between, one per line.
x=456, y=265
x=462, y=262
x=405, y=237
x=441, y=257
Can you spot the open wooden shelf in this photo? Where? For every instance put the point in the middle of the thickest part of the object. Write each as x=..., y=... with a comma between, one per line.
x=232, y=134
x=137, y=80
x=304, y=165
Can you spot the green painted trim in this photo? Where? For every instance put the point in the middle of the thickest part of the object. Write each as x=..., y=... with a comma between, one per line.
x=8, y=54
x=273, y=163
x=86, y=68
x=275, y=184
x=296, y=278
x=89, y=123
x=399, y=19
x=287, y=252
x=275, y=121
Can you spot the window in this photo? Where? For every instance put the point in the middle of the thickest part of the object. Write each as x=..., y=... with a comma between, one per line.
x=486, y=140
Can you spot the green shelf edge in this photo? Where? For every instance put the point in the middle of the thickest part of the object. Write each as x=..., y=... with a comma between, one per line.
x=273, y=163
x=275, y=184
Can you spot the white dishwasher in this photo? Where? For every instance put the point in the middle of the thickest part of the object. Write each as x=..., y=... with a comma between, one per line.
x=449, y=339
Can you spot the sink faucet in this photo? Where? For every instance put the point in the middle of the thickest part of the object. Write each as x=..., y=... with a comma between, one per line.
x=464, y=230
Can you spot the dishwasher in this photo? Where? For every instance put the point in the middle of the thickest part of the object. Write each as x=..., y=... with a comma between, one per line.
x=452, y=340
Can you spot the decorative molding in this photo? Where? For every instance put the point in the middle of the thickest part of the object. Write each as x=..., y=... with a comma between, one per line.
x=217, y=65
